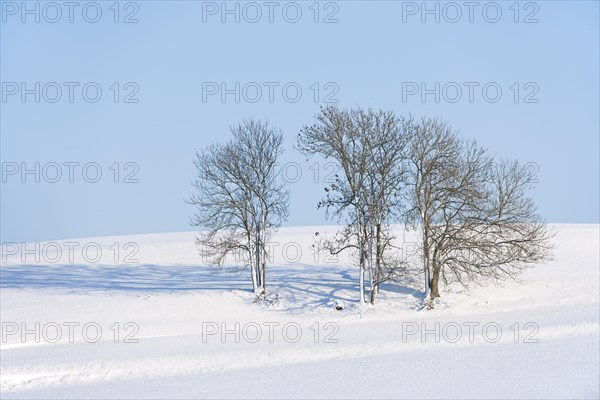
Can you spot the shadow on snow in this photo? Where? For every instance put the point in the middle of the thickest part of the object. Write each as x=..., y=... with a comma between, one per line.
x=301, y=286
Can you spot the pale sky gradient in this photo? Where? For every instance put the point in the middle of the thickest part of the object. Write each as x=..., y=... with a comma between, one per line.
x=366, y=58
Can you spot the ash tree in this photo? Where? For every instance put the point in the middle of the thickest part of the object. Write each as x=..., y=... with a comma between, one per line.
x=240, y=197
x=368, y=147
x=476, y=221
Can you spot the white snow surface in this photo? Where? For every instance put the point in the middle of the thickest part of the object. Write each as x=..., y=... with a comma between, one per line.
x=548, y=346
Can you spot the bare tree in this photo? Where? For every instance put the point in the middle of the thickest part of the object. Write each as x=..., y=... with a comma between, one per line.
x=368, y=147
x=475, y=219
x=240, y=197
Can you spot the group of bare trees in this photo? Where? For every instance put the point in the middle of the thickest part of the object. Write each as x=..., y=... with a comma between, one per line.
x=474, y=217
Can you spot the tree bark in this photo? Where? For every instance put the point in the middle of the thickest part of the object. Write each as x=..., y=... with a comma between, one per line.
x=434, y=283
x=254, y=279
x=379, y=256
x=372, y=296
x=426, y=270
x=361, y=277
x=264, y=278
x=371, y=270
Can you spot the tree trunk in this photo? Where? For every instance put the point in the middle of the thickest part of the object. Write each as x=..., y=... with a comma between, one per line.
x=254, y=279
x=426, y=270
x=370, y=263
x=257, y=254
x=264, y=252
x=264, y=277
x=427, y=283
x=362, y=284
x=371, y=287
x=379, y=256
x=361, y=277
x=258, y=261
x=434, y=284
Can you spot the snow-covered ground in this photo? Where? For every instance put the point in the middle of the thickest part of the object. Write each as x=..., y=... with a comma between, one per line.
x=168, y=327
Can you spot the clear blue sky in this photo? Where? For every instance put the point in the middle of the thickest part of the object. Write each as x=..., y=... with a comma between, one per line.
x=372, y=57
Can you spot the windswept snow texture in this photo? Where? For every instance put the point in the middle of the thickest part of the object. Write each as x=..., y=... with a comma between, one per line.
x=535, y=339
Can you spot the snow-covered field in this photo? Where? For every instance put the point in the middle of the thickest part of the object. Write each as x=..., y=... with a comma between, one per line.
x=168, y=327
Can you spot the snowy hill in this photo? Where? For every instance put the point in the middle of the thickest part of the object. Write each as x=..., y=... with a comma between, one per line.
x=144, y=318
